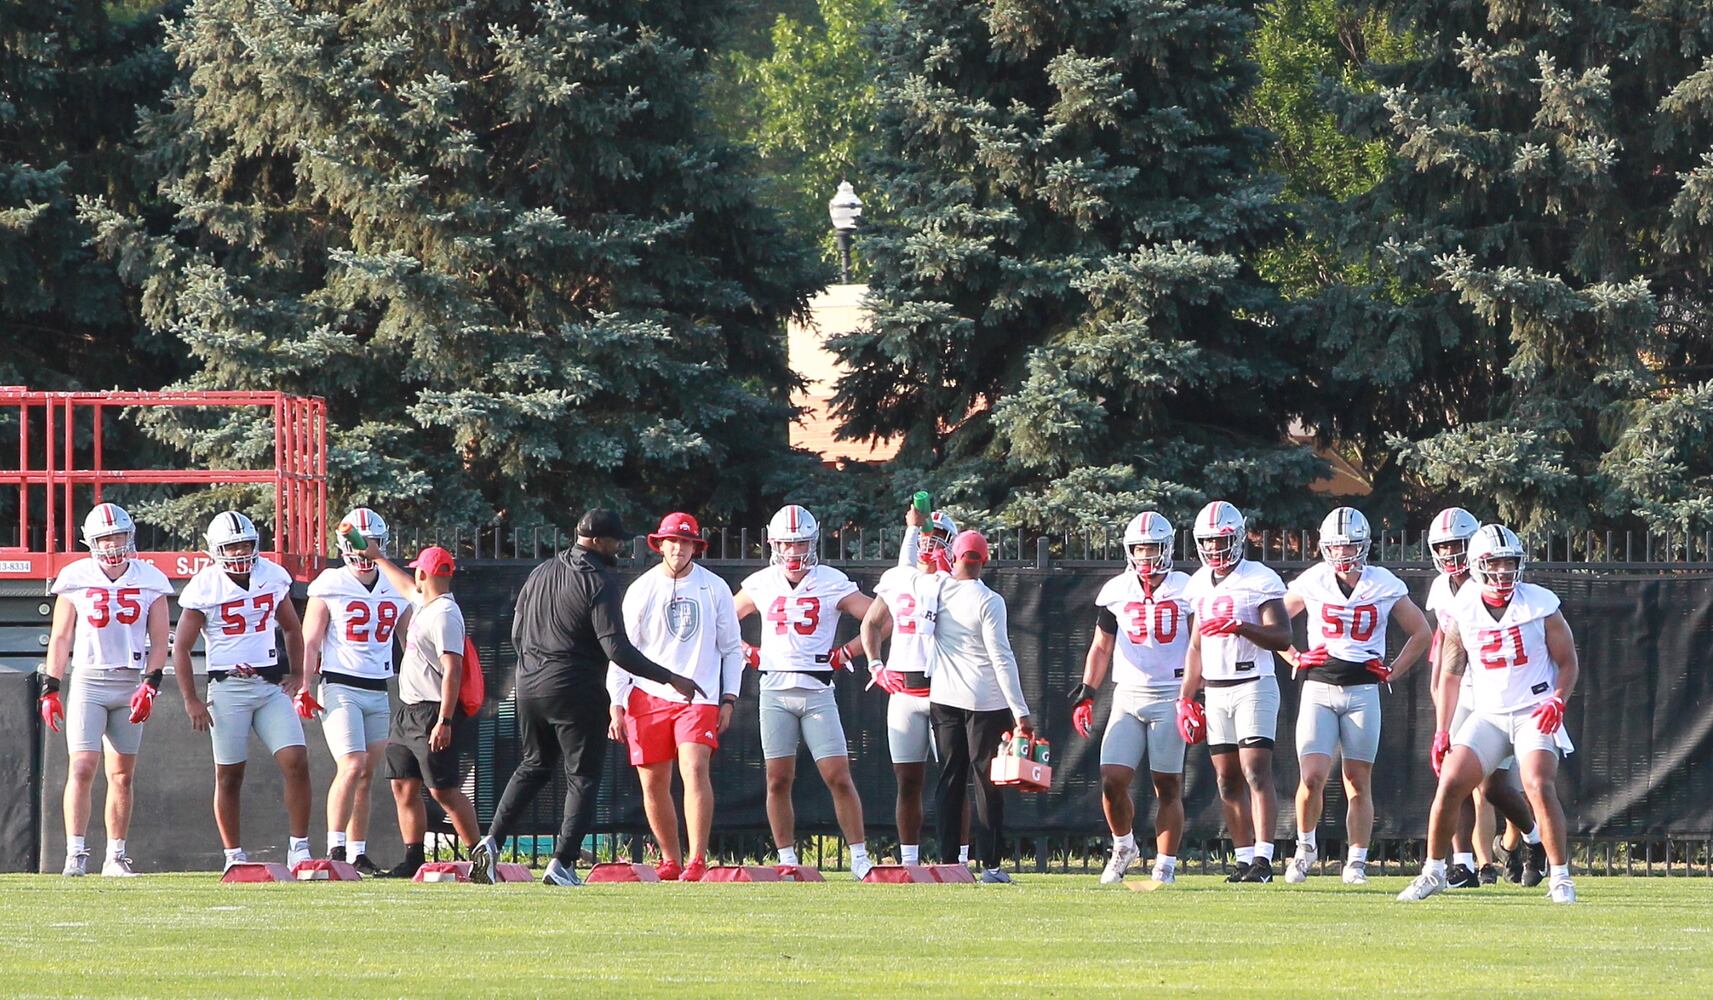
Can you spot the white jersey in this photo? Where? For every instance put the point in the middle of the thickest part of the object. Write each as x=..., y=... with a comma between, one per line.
x=797, y=624
x=361, y=622
x=688, y=626
x=112, y=630
x=913, y=597
x=240, y=625
x=1352, y=627
x=1240, y=595
x=1153, y=629
x=1439, y=598
x=1508, y=657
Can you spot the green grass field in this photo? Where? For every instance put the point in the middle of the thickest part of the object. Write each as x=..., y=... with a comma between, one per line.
x=185, y=936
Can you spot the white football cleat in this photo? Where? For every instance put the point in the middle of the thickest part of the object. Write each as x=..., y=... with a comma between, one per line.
x=1562, y=890
x=1355, y=873
x=558, y=874
x=1425, y=885
x=1120, y=862
x=118, y=868
x=1298, y=868
x=1164, y=875
x=76, y=865
x=861, y=867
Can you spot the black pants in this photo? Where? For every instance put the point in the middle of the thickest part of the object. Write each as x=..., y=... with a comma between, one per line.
x=569, y=730
x=968, y=741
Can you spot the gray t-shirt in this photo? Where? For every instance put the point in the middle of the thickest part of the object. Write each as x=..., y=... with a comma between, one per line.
x=437, y=627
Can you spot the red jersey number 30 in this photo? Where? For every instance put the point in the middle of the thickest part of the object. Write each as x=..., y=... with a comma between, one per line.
x=800, y=613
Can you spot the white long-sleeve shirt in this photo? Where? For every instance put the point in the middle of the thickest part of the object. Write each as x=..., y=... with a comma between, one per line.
x=687, y=625
x=974, y=668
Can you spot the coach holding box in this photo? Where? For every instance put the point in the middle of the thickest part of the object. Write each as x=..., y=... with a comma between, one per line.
x=568, y=626
x=974, y=698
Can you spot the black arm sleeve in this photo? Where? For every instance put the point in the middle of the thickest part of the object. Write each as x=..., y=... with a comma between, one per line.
x=606, y=613
x=1107, y=622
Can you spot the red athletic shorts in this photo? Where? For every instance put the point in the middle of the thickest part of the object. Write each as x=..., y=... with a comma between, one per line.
x=654, y=727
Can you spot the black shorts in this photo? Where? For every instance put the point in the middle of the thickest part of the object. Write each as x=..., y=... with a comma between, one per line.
x=408, y=755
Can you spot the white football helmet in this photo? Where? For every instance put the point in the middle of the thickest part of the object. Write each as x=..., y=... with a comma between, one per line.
x=792, y=524
x=1452, y=528
x=230, y=528
x=1346, y=530
x=1219, y=536
x=1149, y=528
x=371, y=526
x=1490, y=544
x=110, y=534
x=938, y=534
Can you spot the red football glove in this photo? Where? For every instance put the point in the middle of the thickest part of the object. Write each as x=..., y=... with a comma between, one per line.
x=1378, y=668
x=1192, y=721
x=1550, y=715
x=890, y=681
x=305, y=703
x=142, y=701
x=1315, y=657
x=1219, y=626
x=1441, y=747
x=53, y=711
x=840, y=659
x=752, y=656
x=1082, y=717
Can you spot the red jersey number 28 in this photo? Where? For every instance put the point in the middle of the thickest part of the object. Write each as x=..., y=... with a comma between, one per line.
x=804, y=614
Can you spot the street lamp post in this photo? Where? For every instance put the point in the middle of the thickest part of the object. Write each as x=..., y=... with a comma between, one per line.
x=845, y=209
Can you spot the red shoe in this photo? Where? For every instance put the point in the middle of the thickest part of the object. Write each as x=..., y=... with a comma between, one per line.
x=696, y=869
x=668, y=870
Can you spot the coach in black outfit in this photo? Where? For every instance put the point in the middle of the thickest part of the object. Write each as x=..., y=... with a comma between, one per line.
x=569, y=624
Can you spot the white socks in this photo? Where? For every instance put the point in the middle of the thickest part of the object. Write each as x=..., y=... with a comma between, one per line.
x=357, y=849
x=1246, y=855
x=910, y=854
x=74, y=846
x=1128, y=841
x=1533, y=836
x=964, y=854
x=299, y=844
x=1557, y=872
x=1306, y=842
x=1165, y=862
x=1358, y=854
x=859, y=852
x=335, y=840
x=233, y=854
x=115, y=848
x=1265, y=850
x=1466, y=860
x=1434, y=866
x=788, y=856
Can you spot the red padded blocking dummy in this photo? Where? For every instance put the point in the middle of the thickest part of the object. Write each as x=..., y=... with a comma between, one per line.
x=459, y=871
x=798, y=873
x=617, y=871
x=742, y=873
x=257, y=871
x=899, y=875
x=952, y=873
x=325, y=870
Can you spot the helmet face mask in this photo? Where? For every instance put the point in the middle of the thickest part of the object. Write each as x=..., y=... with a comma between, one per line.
x=233, y=542
x=1345, y=538
x=794, y=555
x=1451, y=557
x=115, y=549
x=110, y=534
x=1499, y=576
x=1220, y=552
x=1150, y=558
x=1148, y=542
x=1220, y=536
x=236, y=557
x=1448, y=539
x=791, y=537
x=1496, y=560
x=372, y=527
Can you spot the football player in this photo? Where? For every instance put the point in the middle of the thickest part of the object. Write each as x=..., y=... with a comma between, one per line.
x=349, y=627
x=1528, y=670
x=681, y=616
x=1144, y=617
x=239, y=605
x=906, y=605
x=1350, y=604
x=110, y=625
x=800, y=602
x=1448, y=542
x=1240, y=623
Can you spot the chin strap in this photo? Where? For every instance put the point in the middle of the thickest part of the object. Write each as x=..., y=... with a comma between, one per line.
x=1494, y=600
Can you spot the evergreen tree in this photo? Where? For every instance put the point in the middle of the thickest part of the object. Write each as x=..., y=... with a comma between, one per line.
x=1068, y=323
x=494, y=234
x=71, y=78
x=1535, y=346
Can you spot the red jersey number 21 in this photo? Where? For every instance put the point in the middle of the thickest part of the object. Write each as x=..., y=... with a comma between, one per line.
x=1493, y=643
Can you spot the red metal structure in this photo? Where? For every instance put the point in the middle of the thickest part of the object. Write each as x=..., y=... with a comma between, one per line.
x=50, y=424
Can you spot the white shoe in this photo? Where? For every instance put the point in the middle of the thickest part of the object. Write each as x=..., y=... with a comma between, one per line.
x=1298, y=868
x=1164, y=875
x=1355, y=873
x=1562, y=891
x=1425, y=885
x=295, y=858
x=76, y=865
x=117, y=868
x=558, y=874
x=237, y=859
x=860, y=868
x=995, y=876
x=1119, y=863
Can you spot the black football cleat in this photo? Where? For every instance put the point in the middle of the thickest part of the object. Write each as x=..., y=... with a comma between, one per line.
x=1239, y=872
x=1534, y=867
x=336, y=853
x=1460, y=877
x=1260, y=871
x=1488, y=875
x=367, y=868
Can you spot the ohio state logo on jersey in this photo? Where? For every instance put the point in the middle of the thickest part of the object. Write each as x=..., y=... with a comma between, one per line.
x=683, y=618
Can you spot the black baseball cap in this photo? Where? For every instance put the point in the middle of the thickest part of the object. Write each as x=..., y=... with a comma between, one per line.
x=601, y=523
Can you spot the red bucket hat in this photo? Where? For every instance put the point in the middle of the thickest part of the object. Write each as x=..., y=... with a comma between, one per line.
x=680, y=526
